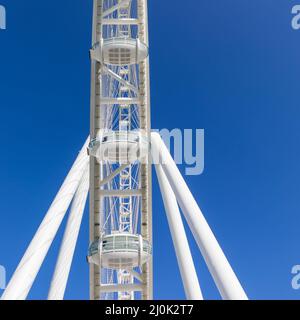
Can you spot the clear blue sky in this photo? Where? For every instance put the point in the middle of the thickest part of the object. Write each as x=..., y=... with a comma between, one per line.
x=230, y=67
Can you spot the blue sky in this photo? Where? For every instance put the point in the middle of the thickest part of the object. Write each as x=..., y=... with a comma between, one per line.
x=230, y=67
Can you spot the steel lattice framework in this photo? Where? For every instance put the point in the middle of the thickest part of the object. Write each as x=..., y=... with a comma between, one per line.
x=120, y=100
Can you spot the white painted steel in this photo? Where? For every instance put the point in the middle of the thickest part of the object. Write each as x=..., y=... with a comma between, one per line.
x=182, y=249
x=120, y=101
x=117, y=77
x=120, y=251
x=121, y=288
x=121, y=193
x=119, y=51
x=67, y=249
x=113, y=175
x=121, y=146
x=120, y=22
x=135, y=274
x=122, y=3
x=23, y=278
x=224, y=277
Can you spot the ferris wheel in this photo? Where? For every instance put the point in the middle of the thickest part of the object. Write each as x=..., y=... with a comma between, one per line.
x=114, y=166
x=121, y=223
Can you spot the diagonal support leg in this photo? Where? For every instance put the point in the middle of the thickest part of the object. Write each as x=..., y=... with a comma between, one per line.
x=183, y=253
x=23, y=278
x=218, y=265
x=64, y=262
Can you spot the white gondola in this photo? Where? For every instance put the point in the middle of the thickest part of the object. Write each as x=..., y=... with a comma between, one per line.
x=119, y=51
x=120, y=251
x=119, y=146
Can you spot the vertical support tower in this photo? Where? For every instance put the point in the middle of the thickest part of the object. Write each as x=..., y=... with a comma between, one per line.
x=120, y=252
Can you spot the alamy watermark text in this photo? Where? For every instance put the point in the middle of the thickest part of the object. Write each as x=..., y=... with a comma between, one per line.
x=2, y=278
x=2, y=18
x=296, y=17
x=296, y=277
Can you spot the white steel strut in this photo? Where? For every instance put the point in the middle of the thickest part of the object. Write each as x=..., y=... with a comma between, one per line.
x=27, y=270
x=225, y=278
x=182, y=249
x=67, y=249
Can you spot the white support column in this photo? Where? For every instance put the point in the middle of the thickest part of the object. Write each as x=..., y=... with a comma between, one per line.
x=67, y=249
x=224, y=277
x=23, y=278
x=182, y=249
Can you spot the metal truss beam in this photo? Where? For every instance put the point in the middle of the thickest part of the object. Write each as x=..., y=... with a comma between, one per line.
x=120, y=79
x=121, y=193
x=106, y=22
x=121, y=288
